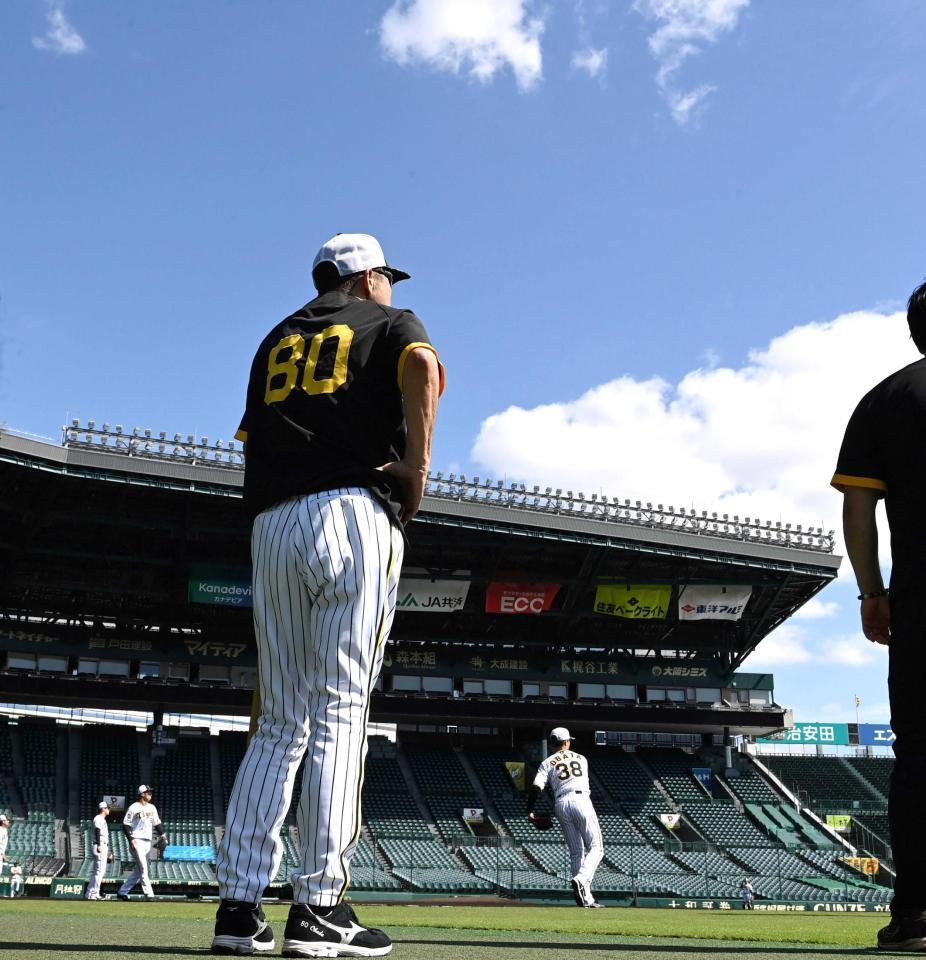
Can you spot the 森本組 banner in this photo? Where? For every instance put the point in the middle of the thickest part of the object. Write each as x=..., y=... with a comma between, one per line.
x=713, y=602
x=642, y=602
x=520, y=597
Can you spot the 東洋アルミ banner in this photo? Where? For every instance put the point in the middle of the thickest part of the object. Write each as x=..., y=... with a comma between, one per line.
x=713, y=602
x=432, y=596
x=642, y=602
x=220, y=591
x=520, y=597
x=822, y=734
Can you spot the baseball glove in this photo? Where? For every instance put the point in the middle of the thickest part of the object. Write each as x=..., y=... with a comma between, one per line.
x=541, y=822
x=162, y=842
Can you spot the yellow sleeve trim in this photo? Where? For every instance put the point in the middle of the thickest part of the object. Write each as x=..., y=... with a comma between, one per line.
x=241, y=435
x=841, y=480
x=404, y=357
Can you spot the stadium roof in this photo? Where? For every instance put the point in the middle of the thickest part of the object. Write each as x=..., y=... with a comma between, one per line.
x=103, y=534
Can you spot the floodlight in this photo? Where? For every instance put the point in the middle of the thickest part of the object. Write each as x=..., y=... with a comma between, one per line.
x=118, y=428
x=161, y=436
x=105, y=428
x=75, y=422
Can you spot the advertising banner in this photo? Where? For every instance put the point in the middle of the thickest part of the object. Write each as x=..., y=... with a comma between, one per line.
x=640, y=602
x=713, y=602
x=520, y=597
x=432, y=596
x=823, y=734
x=68, y=888
x=115, y=803
x=875, y=735
x=516, y=772
x=473, y=815
x=840, y=822
x=220, y=591
x=670, y=820
x=705, y=775
x=870, y=866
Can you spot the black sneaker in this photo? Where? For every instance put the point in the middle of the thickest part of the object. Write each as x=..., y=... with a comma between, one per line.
x=122, y=896
x=241, y=928
x=904, y=933
x=577, y=893
x=336, y=934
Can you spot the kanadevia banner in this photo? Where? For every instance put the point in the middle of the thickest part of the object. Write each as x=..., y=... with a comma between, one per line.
x=520, y=597
x=220, y=591
x=713, y=602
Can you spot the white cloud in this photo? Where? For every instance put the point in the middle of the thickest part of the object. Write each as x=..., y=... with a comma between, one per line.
x=685, y=26
x=479, y=37
x=782, y=647
x=593, y=62
x=817, y=609
x=60, y=37
x=758, y=440
x=851, y=650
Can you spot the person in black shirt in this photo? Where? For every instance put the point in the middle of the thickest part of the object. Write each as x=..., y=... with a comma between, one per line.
x=337, y=428
x=883, y=454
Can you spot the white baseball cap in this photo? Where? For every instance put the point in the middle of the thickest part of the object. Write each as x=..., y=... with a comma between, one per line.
x=103, y=805
x=142, y=788
x=560, y=734
x=354, y=252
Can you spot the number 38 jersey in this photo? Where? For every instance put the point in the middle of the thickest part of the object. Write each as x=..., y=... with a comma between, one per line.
x=565, y=771
x=324, y=402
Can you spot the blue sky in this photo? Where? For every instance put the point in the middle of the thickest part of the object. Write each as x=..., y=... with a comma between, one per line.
x=660, y=245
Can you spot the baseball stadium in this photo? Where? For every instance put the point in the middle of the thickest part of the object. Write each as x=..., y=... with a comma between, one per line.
x=128, y=658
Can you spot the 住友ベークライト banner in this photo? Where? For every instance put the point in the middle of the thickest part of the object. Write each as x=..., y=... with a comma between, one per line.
x=642, y=602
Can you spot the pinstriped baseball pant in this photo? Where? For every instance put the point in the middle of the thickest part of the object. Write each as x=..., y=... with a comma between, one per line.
x=579, y=822
x=326, y=571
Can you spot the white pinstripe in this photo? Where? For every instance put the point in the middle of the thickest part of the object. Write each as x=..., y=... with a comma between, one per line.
x=577, y=817
x=566, y=773
x=326, y=570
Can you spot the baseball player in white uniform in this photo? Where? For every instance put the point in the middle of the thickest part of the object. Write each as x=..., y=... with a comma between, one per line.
x=567, y=774
x=100, y=851
x=340, y=409
x=4, y=838
x=140, y=824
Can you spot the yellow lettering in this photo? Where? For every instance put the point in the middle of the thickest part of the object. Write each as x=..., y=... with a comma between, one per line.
x=344, y=336
x=287, y=368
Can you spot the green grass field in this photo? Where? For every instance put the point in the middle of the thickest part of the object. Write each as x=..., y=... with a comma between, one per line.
x=39, y=929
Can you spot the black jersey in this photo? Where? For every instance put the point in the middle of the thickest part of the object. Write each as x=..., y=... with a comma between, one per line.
x=884, y=449
x=324, y=404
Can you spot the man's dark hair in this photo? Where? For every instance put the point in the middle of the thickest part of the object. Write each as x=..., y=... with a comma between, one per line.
x=326, y=278
x=916, y=317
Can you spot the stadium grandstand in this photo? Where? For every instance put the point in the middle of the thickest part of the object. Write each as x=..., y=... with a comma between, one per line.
x=126, y=589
